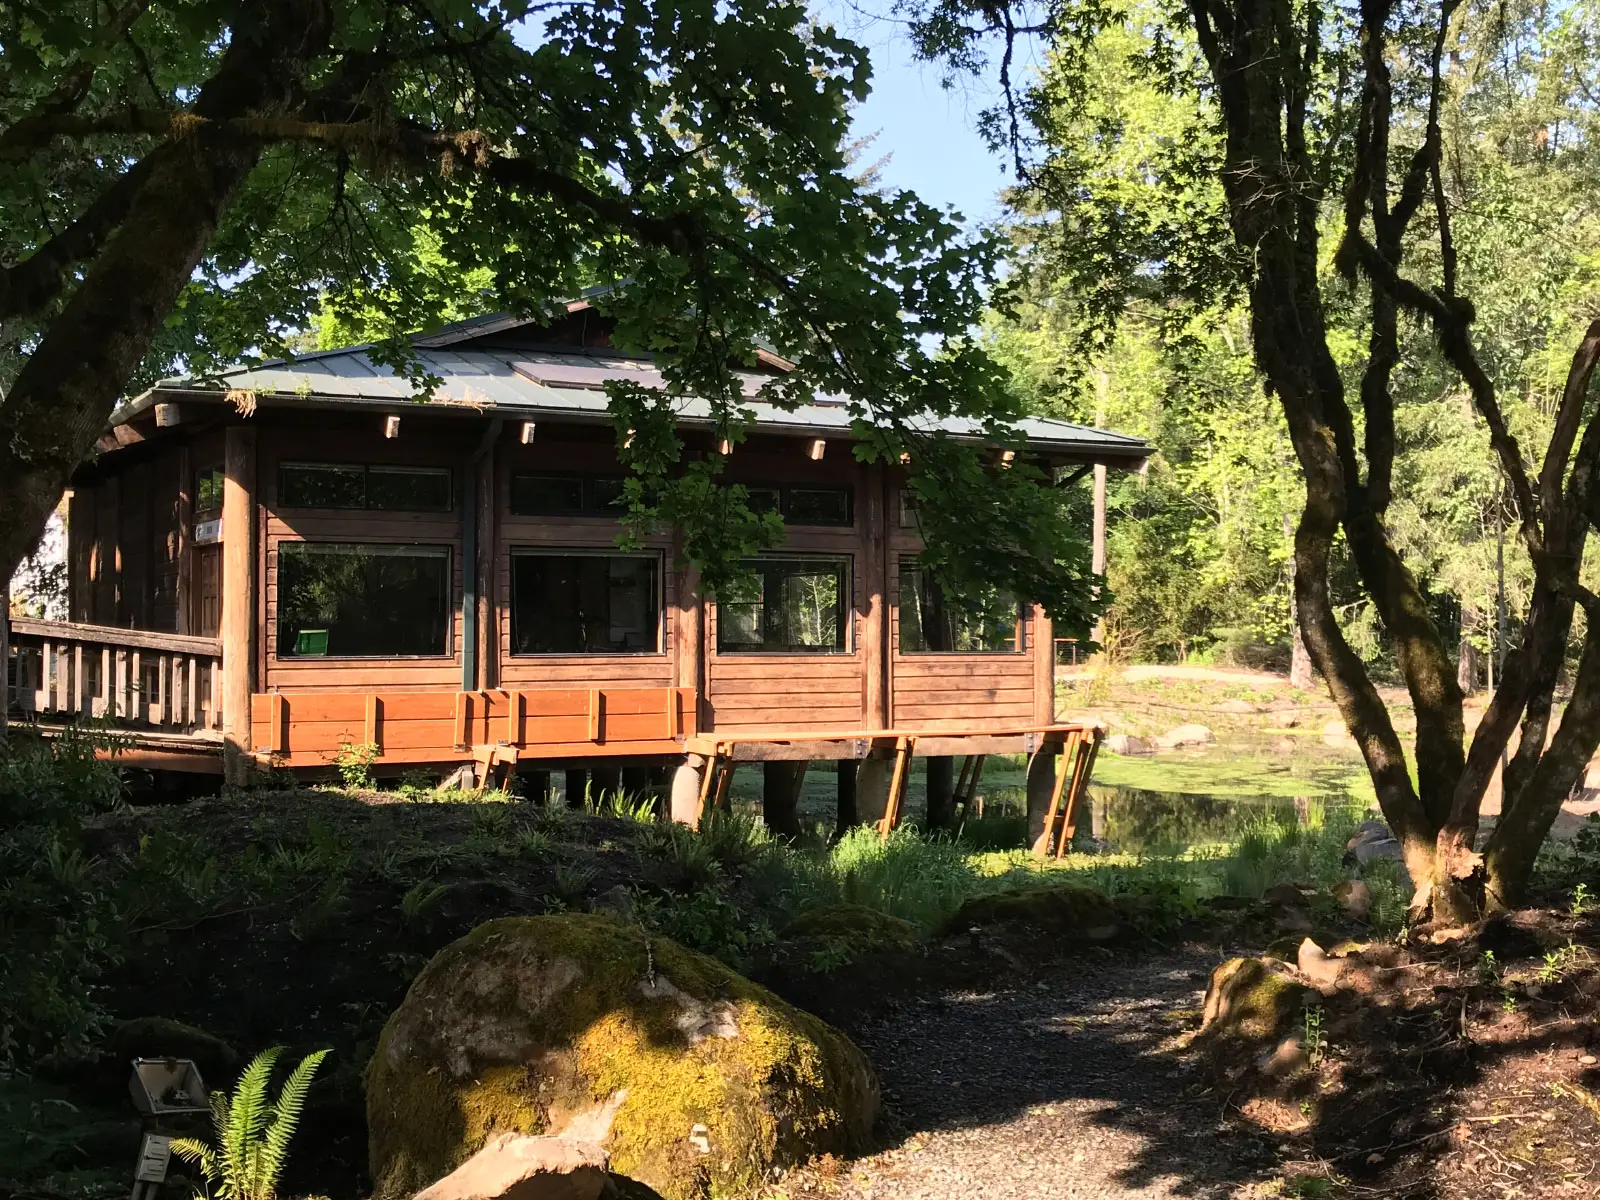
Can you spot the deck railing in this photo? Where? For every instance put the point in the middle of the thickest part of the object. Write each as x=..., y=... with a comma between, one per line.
x=65, y=671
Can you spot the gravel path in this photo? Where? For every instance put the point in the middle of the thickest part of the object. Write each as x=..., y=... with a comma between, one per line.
x=1055, y=1088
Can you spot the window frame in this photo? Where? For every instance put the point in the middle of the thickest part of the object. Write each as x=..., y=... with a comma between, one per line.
x=785, y=491
x=656, y=556
x=366, y=469
x=451, y=601
x=847, y=647
x=196, y=509
x=907, y=565
x=587, y=481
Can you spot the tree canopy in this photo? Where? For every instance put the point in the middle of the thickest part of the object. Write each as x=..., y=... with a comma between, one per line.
x=191, y=182
x=1396, y=200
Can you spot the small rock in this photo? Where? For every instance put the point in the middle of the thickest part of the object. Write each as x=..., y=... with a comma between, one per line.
x=1186, y=735
x=1316, y=966
x=1284, y=745
x=1355, y=897
x=1237, y=706
x=1127, y=744
x=1287, y=1057
x=526, y=1168
x=1292, y=721
x=1285, y=894
x=1587, y=1060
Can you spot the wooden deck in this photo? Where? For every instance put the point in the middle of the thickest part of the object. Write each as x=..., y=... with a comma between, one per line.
x=162, y=697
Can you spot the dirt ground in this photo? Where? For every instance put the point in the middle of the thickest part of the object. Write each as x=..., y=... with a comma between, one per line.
x=1470, y=1073
x=1060, y=1086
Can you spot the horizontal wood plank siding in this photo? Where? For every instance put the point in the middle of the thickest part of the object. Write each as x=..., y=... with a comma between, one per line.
x=366, y=444
x=571, y=450
x=953, y=691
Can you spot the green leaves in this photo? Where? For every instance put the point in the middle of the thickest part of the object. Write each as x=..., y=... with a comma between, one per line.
x=252, y=1132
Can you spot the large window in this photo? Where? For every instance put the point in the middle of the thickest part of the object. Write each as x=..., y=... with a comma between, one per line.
x=929, y=621
x=584, y=603
x=792, y=604
x=351, y=485
x=543, y=494
x=347, y=601
x=800, y=504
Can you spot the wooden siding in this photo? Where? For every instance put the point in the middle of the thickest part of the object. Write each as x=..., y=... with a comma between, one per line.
x=587, y=450
x=945, y=690
x=438, y=727
x=128, y=547
x=750, y=692
x=418, y=445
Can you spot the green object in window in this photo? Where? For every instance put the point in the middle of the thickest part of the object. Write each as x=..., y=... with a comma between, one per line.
x=311, y=641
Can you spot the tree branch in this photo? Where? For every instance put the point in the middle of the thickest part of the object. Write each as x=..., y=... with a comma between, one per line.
x=75, y=79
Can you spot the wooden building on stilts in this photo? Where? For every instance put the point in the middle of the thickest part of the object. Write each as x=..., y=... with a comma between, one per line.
x=301, y=562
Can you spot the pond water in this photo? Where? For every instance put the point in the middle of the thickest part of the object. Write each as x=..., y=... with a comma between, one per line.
x=1165, y=802
x=1172, y=802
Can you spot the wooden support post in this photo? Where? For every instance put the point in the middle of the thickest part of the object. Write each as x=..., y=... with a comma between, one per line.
x=719, y=801
x=463, y=700
x=278, y=724
x=1041, y=786
x=238, y=631
x=1044, y=668
x=781, y=781
x=941, y=791
x=897, y=784
x=595, y=704
x=691, y=789
x=874, y=581
x=372, y=724
x=971, y=794
x=514, y=709
x=872, y=788
x=1064, y=767
x=846, y=814
x=535, y=786
x=577, y=783
x=184, y=593
x=1082, y=772
x=688, y=649
x=606, y=782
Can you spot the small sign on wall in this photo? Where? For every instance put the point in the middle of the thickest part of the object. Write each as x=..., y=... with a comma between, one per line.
x=207, y=532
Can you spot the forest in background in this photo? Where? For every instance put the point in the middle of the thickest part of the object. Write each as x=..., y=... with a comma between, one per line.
x=1110, y=316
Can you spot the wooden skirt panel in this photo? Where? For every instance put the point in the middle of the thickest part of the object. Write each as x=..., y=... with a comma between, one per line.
x=313, y=730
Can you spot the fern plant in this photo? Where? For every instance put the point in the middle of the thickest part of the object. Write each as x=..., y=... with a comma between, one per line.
x=252, y=1134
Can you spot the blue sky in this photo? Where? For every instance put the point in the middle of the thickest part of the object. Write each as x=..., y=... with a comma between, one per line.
x=929, y=133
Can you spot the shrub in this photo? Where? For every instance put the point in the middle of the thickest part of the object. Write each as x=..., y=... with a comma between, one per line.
x=252, y=1133
x=55, y=919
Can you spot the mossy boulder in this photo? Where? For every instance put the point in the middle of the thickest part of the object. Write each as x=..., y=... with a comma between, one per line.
x=1256, y=1000
x=694, y=1079
x=162, y=1037
x=838, y=934
x=1074, y=911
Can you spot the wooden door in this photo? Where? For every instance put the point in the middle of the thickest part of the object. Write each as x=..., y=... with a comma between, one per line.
x=207, y=616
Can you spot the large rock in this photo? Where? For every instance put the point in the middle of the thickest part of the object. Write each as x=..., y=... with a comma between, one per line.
x=1186, y=735
x=1371, y=842
x=1255, y=1000
x=1129, y=744
x=515, y=1166
x=1074, y=911
x=688, y=1074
